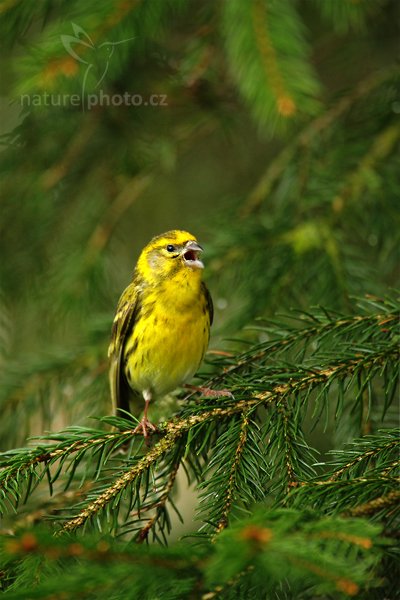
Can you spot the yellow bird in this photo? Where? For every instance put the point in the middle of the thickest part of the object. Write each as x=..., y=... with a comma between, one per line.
x=162, y=326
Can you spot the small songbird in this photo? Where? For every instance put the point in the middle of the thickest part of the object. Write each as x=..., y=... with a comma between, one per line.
x=162, y=326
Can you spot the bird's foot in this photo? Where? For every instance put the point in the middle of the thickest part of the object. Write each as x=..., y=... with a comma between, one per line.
x=144, y=426
x=209, y=393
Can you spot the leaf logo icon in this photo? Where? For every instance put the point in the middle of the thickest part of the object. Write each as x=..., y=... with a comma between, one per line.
x=68, y=40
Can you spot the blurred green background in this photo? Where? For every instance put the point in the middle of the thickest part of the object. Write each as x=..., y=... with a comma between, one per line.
x=274, y=139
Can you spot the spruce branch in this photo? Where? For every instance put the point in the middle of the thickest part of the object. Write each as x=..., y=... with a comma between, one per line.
x=346, y=16
x=317, y=224
x=175, y=429
x=365, y=495
x=307, y=136
x=373, y=452
x=383, y=504
x=289, y=443
x=32, y=377
x=310, y=547
x=49, y=65
x=158, y=505
x=319, y=327
x=356, y=182
x=121, y=483
x=238, y=468
x=263, y=63
x=285, y=104
x=21, y=465
x=295, y=381
x=329, y=554
x=232, y=483
x=364, y=481
x=291, y=456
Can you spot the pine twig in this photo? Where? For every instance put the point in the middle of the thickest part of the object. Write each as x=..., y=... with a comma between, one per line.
x=299, y=335
x=175, y=430
x=230, y=493
x=374, y=506
x=159, y=505
x=365, y=456
x=291, y=475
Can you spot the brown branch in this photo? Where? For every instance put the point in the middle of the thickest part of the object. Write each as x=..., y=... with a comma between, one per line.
x=374, y=506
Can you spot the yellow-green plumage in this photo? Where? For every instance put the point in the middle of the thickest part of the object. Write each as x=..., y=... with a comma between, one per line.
x=162, y=325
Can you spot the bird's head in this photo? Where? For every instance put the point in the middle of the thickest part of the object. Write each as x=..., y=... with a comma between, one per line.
x=171, y=255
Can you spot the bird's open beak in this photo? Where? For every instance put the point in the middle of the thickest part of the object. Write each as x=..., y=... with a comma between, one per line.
x=191, y=253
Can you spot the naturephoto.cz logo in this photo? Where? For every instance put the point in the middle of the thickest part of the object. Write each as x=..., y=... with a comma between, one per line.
x=95, y=61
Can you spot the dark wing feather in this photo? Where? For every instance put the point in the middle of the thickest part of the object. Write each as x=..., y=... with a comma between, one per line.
x=127, y=314
x=209, y=302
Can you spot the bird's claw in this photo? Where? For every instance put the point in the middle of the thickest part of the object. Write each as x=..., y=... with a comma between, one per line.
x=209, y=393
x=144, y=426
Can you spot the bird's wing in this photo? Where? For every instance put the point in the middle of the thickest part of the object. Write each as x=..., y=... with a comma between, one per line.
x=127, y=314
x=210, y=306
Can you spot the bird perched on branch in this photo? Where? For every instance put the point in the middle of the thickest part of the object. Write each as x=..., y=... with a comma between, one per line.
x=162, y=324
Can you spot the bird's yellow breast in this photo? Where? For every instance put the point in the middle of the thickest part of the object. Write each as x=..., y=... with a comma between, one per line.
x=169, y=338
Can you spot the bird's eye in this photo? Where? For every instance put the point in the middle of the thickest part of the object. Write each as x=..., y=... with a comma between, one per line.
x=170, y=248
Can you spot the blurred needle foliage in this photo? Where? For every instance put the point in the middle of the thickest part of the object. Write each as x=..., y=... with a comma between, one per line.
x=271, y=130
